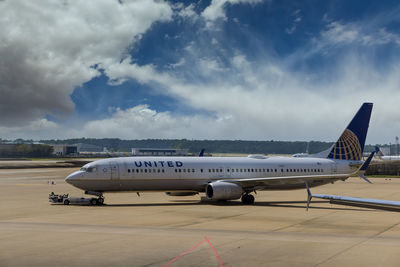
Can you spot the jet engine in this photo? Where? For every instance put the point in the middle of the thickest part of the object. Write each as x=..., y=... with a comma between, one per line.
x=223, y=191
x=181, y=193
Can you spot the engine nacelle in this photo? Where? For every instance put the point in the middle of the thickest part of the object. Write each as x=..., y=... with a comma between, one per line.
x=223, y=191
x=181, y=193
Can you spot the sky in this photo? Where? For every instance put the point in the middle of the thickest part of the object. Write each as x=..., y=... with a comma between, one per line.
x=221, y=69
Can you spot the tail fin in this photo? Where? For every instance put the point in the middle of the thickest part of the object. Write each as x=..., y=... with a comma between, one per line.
x=350, y=145
x=378, y=151
x=201, y=154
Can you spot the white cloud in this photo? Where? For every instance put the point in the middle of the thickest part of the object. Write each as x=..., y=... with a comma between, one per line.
x=216, y=9
x=48, y=47
x=350, y=33
x=40, y=128
x=240, y=98
x=258, y=100
x=297, y=19
x=188, y=12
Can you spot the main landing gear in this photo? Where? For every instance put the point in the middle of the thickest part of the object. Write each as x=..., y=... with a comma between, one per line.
x=248, y=199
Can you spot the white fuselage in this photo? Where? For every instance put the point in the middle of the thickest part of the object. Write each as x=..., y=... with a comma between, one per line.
x=390, y=157
x=194, y=173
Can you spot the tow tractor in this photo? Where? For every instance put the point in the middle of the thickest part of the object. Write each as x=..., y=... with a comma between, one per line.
x=66, y=200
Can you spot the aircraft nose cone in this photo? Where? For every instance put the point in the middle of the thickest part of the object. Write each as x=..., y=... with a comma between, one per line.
x=72, y=178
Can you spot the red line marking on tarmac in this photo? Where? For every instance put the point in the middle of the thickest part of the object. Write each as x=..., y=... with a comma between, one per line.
x=182, y=254
x=215, y=252
x=187, y=251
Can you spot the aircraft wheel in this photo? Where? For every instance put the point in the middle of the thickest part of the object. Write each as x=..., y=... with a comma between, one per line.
x=247, y=199
x=101, y=201
x=66, y=202
x=93, y=201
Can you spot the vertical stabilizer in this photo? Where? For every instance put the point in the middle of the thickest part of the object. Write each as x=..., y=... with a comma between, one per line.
x=378, y=152
x=350, y=145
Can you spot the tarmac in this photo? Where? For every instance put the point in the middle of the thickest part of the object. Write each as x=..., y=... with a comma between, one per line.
x=158, y=230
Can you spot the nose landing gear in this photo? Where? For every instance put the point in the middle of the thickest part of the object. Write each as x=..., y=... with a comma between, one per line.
x=96, y=201
x=248, y=199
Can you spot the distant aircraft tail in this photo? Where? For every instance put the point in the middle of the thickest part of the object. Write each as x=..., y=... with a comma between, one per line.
x=201, y=154
x=378, y=151
x=350, y=144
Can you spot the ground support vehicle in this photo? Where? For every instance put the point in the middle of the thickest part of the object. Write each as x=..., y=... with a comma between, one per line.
x=66, y=200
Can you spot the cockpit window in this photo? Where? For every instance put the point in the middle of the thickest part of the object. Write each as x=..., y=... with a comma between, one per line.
x=88, y=169
x=91, y=169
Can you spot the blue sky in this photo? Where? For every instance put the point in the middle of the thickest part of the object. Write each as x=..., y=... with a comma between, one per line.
x=228, y=69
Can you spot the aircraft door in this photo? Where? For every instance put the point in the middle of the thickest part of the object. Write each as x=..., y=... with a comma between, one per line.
x=334, y=168
x=114, y=170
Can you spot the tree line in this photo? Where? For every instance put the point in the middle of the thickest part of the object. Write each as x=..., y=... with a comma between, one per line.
x=194, y=146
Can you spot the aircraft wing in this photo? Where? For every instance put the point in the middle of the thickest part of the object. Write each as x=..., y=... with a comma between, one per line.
x=361, y=202
x=276, y=181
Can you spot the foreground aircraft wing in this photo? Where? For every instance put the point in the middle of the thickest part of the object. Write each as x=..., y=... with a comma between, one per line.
x=276, y=181
x=361, y=202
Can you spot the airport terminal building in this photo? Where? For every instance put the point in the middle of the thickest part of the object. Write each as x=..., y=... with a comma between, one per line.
x=159, y=152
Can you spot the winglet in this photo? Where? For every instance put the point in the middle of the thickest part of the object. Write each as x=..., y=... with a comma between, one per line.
x=367, y=162
x=364, y=167
x=309, y=195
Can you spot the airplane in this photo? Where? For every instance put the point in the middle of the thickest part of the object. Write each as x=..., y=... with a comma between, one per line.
x=381, y=156
x=228, y=178
x=303, y=155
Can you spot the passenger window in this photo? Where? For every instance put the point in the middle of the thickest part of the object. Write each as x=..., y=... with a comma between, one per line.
x=176, y=170
x=188, y=170
x=162, y=170
x=201, y=170
x=145, y=170
x=129, y=170
x=192, y=170
x=158, y=170
x=180, y=170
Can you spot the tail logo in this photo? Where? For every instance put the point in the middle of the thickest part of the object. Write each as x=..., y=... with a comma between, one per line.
x=347, y=147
